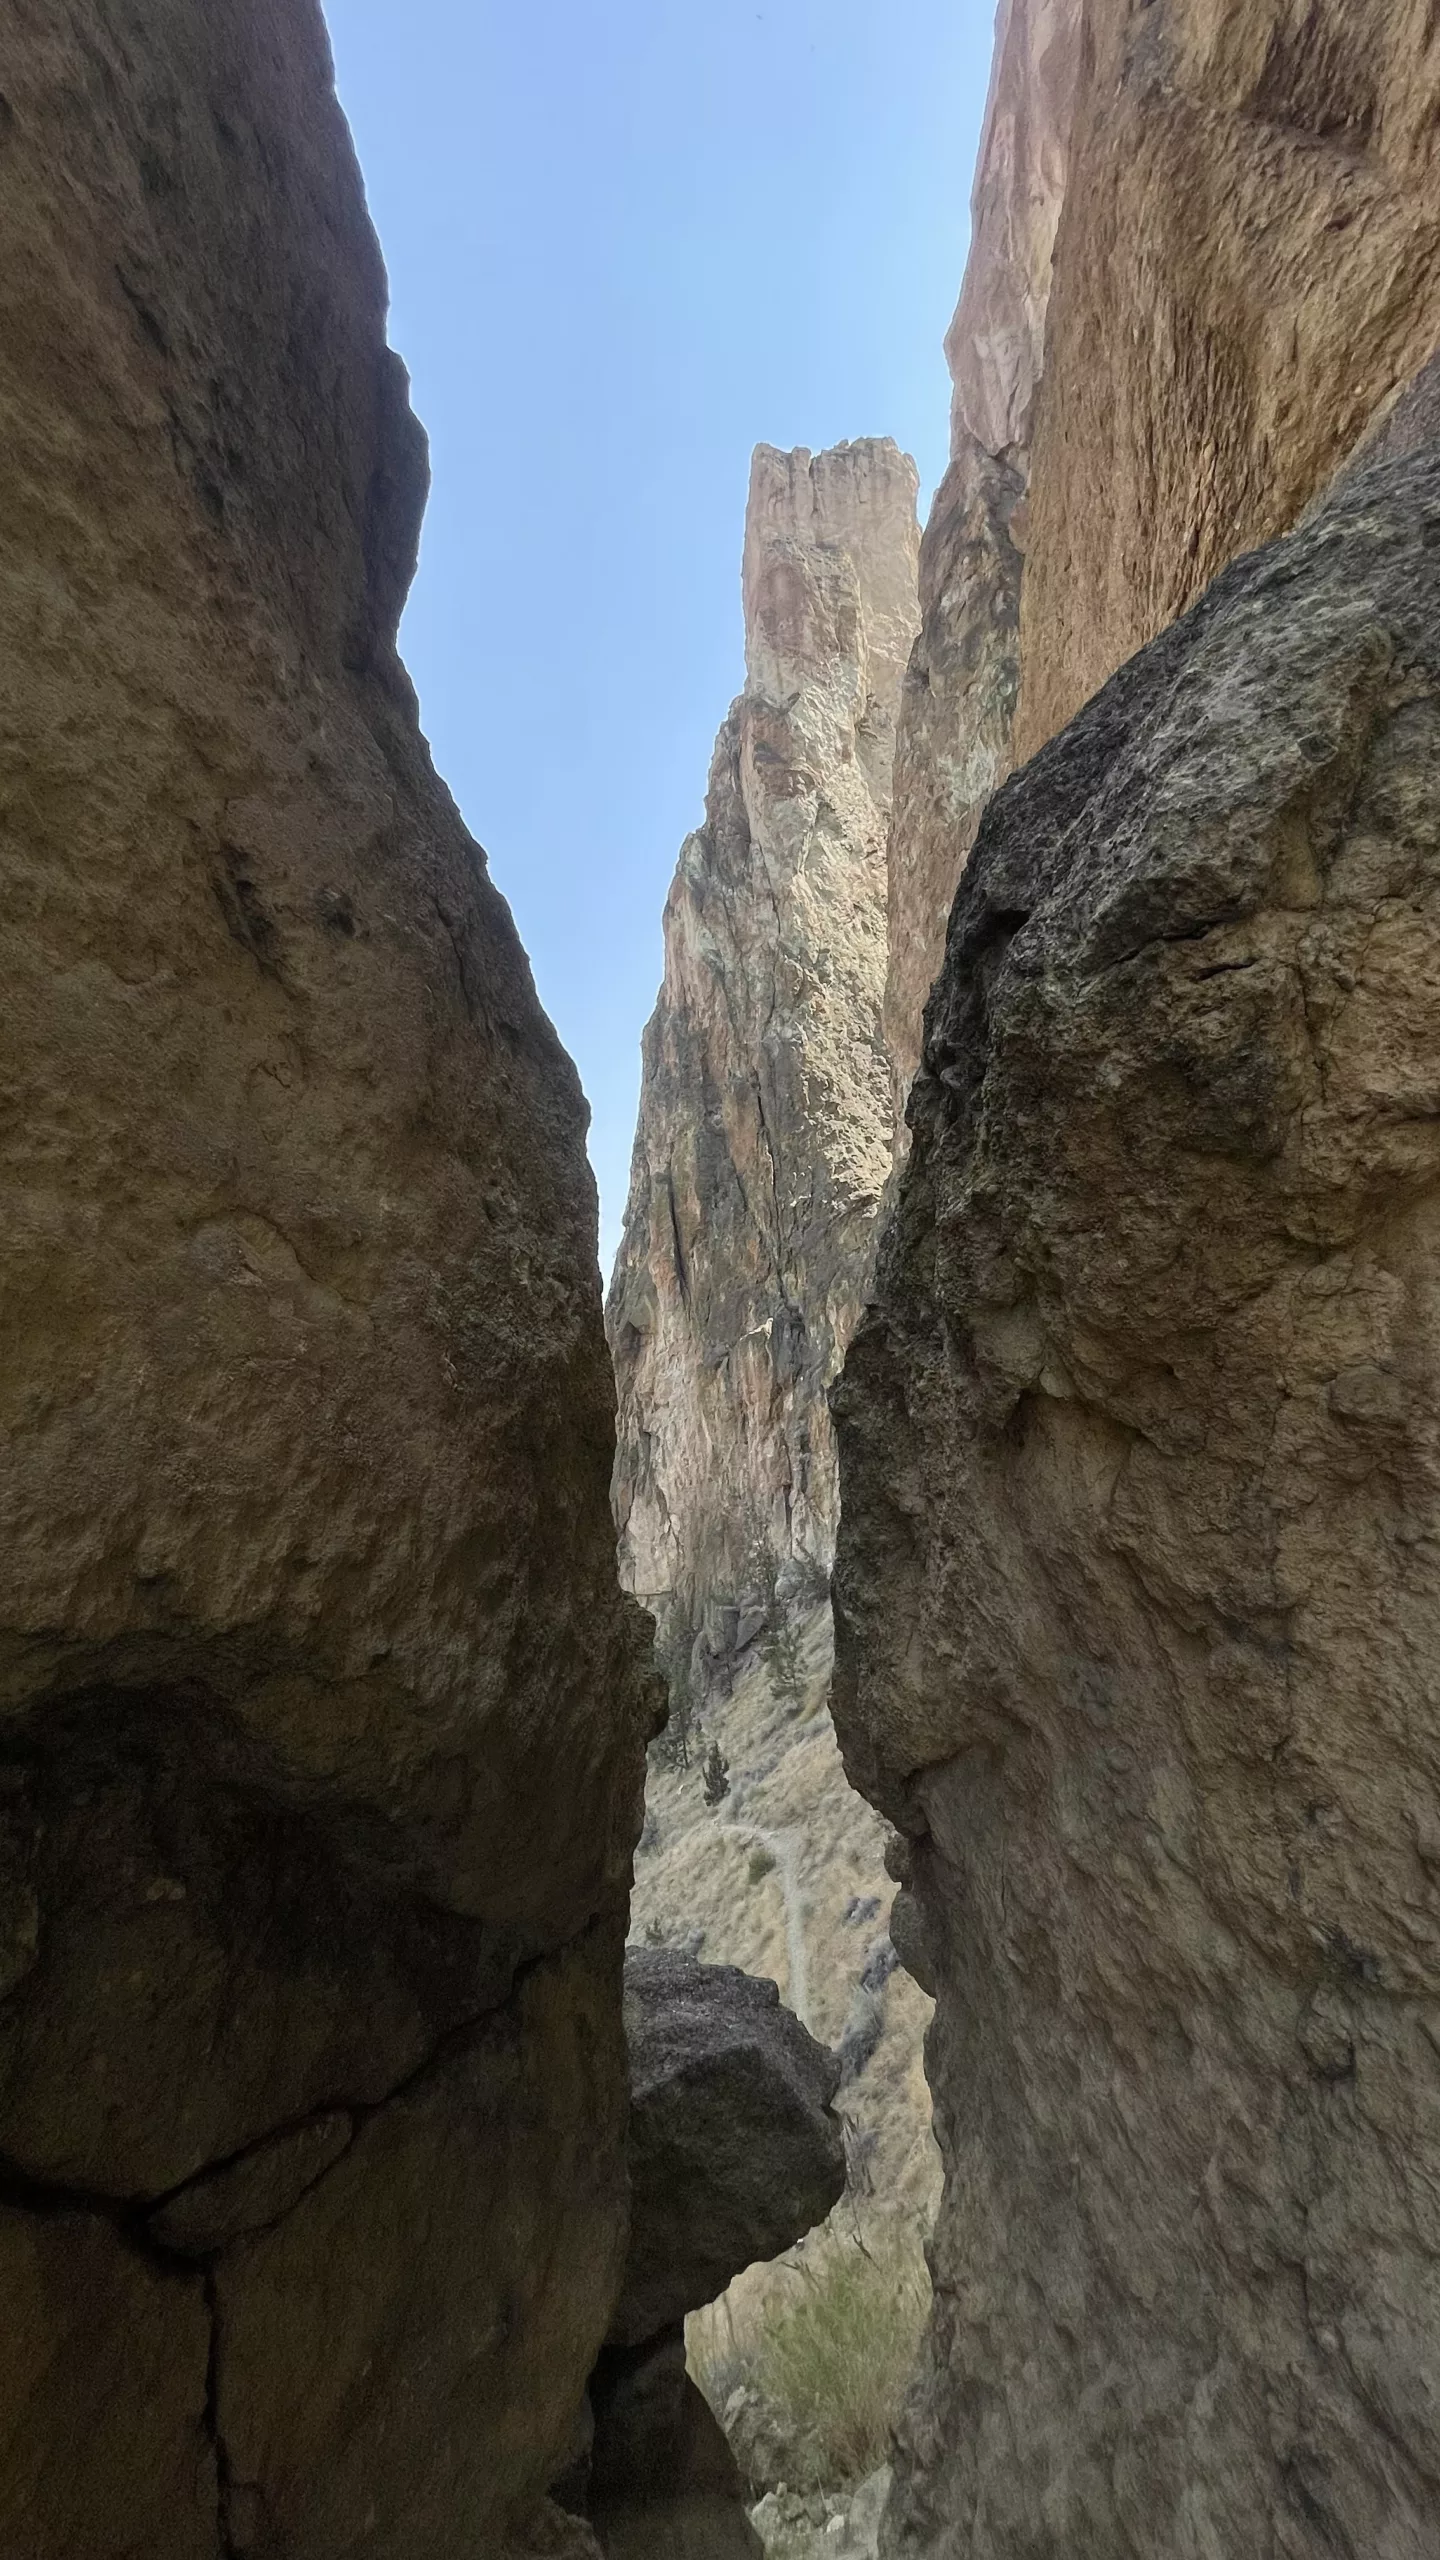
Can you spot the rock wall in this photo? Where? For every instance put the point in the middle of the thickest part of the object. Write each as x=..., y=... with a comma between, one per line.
x=764, y=1133
x=1137, y=1590
x=958, y=704
x=320, y=1723
x=1243, y=202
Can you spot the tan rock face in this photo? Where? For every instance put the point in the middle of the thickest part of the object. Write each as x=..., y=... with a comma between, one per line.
x=1248, y=263
x=764, y=1133
x=1206, y=252
x=1137, y=1597
x=958, y=707
x=319, y=1720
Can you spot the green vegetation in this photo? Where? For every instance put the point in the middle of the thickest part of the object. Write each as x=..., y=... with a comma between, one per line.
x=810, y=2382
x=674, y=1658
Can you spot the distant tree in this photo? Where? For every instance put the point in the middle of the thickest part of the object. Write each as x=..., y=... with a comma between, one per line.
x=780, y=1647
x=717, y=1776
x=674, y=1653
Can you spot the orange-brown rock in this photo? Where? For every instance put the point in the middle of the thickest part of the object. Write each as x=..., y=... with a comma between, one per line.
x=1242, y=198
x=319, y=1720
x=1248, y=264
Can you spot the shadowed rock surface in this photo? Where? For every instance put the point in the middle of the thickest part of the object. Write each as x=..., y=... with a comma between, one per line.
x=734, y=2152
x=664, y=2484
x=1138, y=1590
x=320, y=1723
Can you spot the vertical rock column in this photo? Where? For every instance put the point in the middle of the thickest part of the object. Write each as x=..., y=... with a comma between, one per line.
x=320, y=1726
x=764, y=1132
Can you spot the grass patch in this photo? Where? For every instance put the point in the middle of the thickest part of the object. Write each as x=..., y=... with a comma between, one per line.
x=810, y=2382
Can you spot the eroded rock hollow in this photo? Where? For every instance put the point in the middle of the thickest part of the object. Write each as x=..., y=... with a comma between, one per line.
x=320, y=1719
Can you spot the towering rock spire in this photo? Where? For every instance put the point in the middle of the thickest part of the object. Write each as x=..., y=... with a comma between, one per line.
x=764, y=1134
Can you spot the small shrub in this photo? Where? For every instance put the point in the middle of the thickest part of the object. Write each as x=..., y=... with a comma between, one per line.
x=716, y=1776
x=761, y=1865
x=824, y=2372
x=675, y=1660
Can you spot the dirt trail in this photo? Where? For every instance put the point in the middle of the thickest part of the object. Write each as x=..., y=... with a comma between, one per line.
x=784, y=1848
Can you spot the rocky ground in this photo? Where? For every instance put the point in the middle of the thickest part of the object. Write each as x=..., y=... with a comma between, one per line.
x=785, y=1877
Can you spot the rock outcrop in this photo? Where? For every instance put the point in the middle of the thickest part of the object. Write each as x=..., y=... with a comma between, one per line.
x=320, y=1723
x=734, y=2155
x=734, y=2152
x=1242, y=199
x=1138, y=1592
x=764, y=1133
x=957, y=708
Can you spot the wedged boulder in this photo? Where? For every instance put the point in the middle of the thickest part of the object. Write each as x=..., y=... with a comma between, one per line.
x=734, y=2152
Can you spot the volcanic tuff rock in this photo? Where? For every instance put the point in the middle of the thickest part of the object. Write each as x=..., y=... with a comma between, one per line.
x=734, y=2155
x=1138, y=1590
x=664, y=2484
x=320, y=1723
x=764, y=1135
x=958, y=704
x=1243, y=198
x=734, y=2152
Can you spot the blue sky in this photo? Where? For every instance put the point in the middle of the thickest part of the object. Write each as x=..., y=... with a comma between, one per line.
x=628, y=240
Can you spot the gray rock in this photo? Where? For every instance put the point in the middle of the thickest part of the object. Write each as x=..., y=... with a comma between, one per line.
x=1138, y=1595
x=663, y=2480
x=734, y=2153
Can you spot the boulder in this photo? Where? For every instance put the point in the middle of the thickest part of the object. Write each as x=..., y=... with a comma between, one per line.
x=734, y=2151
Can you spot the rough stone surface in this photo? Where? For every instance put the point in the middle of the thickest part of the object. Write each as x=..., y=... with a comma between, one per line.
x=1247, y=265
x=764, y=1134
x=85, y=2468
x=1205, y=257
x=1138, y=1593
x=734, y=2152
x=319, y=1718
x=664, y=2484
x=958, y=704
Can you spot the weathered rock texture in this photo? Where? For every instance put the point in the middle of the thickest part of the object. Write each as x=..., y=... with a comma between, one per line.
x=1243, y=199
x=664, y=2484
x=734, y=2155
x=319, y=1726
x=958, y=704
x=764, y=1133
x=1139, y=1594
x=734, y=2152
